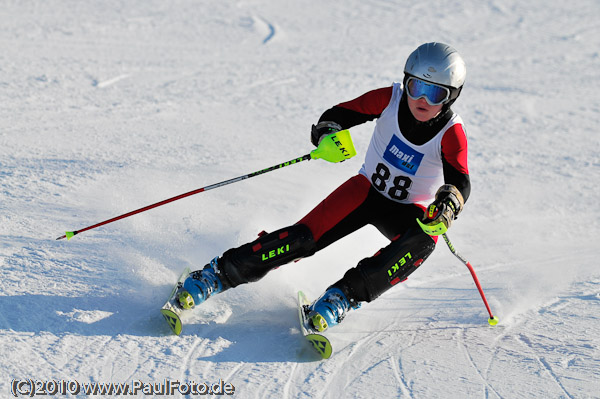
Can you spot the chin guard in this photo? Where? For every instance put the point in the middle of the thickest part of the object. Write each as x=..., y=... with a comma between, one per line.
x=433, y=229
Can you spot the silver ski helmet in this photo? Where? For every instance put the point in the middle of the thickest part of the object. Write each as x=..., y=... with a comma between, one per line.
x=437, y=63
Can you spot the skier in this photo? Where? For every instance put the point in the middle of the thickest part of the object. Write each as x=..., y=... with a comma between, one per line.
x=415, y=169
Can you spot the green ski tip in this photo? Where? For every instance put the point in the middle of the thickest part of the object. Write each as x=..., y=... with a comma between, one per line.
x=69, y=234
x=493, y=321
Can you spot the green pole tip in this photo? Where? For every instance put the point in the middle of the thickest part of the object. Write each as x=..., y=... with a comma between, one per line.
x=69, y=234
x=493, y=321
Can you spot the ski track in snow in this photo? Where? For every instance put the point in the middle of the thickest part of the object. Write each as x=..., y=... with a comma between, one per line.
x=271, y=29
x=108, y=107
x=109, y=82
x=404, y=388
x=544, y=366
x=483, y=374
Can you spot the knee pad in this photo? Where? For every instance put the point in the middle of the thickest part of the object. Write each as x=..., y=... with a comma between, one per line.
x=391, y=265
x=254, y=260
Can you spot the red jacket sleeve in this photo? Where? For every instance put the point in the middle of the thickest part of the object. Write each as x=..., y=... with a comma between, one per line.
x=454, y=159
x=360, y=110
x=370, y=103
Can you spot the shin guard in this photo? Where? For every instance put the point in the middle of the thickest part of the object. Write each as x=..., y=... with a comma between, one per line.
x=391, y=265
x=254, y=260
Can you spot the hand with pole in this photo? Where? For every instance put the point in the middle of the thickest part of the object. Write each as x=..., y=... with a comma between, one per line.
x=336, y=147
x=434, y=228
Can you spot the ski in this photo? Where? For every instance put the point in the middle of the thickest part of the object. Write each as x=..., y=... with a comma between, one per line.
x=319, y=342
x=171, y=310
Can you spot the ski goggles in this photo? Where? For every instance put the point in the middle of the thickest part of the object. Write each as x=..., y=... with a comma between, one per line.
x=433, y=94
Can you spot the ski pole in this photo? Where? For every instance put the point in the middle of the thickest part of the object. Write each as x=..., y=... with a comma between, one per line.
x=492, y=320
x=336, y=147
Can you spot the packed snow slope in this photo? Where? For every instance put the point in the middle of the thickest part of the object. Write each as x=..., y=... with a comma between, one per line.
x=109, y=106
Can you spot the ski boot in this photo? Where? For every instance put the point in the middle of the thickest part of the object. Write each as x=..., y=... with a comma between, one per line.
x=200, y=285
x=329, y=310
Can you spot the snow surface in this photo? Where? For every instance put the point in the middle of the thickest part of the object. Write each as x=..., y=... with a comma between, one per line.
x=108, y=106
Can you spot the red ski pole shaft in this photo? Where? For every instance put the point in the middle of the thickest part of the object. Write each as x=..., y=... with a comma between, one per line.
x=335, y=147
x=492, y=320
x=70, y=234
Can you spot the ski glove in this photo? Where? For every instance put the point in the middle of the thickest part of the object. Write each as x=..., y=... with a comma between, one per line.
x=443, y=210
x=323, y=129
